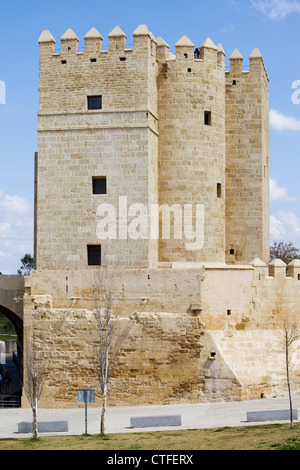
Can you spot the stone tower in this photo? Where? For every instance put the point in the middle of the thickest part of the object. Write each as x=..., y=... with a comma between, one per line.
x=192, y=144
x=141, y=127
x=97, y=126
x=247, y=160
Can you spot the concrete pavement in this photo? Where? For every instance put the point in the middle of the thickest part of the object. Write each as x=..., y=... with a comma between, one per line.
x=198, y=416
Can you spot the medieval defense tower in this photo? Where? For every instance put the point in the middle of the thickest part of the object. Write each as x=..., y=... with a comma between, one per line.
x=149, y=127
x=134, y=134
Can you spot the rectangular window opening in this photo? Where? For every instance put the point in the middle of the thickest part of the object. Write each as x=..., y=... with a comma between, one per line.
x=123, y=59
x=93, y=60
x=228, y=313
x=94, y=255
x=298, y=277
x=207, y=118
x=63, y=62
x=232, y=251
x=99, y=185
x=219, y=190
x=185, y=56
x=95, y=102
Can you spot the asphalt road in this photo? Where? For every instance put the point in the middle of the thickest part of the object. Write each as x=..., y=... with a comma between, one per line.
x=198, y=416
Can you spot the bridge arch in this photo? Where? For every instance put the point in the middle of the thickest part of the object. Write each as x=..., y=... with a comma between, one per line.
x=11, y=302
x=17, y=323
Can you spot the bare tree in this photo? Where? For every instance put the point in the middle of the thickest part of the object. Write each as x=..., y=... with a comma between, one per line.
x=291, y=334
x=34, y=369
x=287, y=252
x=106, y=337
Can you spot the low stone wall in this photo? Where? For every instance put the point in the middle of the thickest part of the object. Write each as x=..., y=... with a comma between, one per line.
x=155, y=358
x=221, y=342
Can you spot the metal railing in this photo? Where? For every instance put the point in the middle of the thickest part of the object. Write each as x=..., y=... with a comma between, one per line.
x=8, y=401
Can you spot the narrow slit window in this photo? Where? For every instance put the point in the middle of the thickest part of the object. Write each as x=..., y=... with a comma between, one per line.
x=219, y=190
x=99, y=185
x=232, y=251
x=207, y=118
x=94, y=255
x=95, y=102
x=228, y=313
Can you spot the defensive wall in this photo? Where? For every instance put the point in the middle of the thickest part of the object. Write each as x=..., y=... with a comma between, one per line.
x=207, y=332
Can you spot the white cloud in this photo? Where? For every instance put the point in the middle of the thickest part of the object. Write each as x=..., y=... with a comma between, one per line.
x=285, y=226
x=277, y=230
x=280, y=122
x=16, y=231
x=277, y=193
x=276, y=9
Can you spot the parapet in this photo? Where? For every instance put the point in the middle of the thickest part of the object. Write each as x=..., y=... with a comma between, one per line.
x=94, y=40
x=143, y=40
x=69, y=42
x=294, y=269
x=237, y=62
x=277, y=268
x=260, y=268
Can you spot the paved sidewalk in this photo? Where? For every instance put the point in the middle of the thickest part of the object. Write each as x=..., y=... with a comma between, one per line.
x=199, y=416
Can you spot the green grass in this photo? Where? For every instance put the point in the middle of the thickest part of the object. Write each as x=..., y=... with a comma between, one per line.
x=7, y=330
x=272, y=437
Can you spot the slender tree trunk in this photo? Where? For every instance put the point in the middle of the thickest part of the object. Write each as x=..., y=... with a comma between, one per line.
x=288, y=383
x=35, y=420
x=102, y=425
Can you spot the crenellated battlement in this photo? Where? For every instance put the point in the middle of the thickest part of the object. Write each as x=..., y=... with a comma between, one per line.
x=237, y=68
x=143, y=40
x=277, y=269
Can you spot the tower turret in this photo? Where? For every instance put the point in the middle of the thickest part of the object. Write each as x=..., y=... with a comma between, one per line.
x=247, y=160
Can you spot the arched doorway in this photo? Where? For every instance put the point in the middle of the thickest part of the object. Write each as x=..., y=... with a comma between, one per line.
x=11, y=363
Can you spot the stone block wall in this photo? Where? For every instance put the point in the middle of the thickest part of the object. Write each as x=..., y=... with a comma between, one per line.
x=117, y=142
x=173, y=130
x=184, y=336
x=247, y=161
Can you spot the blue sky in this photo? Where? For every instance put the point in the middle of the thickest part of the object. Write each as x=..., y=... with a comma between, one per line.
x=270, y=25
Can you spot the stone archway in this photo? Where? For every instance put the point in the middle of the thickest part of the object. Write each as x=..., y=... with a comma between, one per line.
x=17, y=323
x=11, y=305
x=11, y=302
